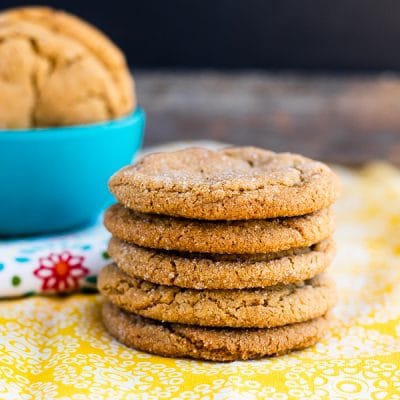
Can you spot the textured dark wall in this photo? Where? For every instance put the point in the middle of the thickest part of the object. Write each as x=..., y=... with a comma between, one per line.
x=306, y=34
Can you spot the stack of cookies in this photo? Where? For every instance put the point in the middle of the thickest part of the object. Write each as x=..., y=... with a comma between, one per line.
x=220, y=255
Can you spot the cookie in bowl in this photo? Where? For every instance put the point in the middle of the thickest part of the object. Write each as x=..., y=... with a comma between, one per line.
x=59, y=70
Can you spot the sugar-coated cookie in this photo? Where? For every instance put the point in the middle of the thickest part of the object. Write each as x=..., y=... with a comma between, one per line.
x=229, y=184
x=257, y=308
x=233, y=237
x=214, y=271
x=216, y=344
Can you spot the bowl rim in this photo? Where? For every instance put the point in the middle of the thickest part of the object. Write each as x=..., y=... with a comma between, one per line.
x=134, y=117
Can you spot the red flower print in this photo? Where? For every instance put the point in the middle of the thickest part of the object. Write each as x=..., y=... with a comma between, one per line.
x=60, y=272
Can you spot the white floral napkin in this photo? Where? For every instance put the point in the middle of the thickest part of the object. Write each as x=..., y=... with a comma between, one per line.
x=58, y=263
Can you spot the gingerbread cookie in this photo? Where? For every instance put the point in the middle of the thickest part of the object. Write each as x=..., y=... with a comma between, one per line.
x=234, y=237
x=230, y=184
x=213, y=271
x=216, y=344
x=259, y=308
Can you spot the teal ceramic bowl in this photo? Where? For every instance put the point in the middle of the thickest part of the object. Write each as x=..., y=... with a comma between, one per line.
x=53, y=179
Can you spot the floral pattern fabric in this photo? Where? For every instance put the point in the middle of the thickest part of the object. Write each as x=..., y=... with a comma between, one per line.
x=59, y=263
x=60, y=272
x=57, y=348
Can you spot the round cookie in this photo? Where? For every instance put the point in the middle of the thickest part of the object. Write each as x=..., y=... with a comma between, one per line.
x=229, y=184
x=213, y=271
x=214, y=344
x=58, y=70
x=256, y=308
x=232, y=237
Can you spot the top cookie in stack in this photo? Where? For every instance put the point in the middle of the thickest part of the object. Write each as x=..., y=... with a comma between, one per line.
x=227, y=248
x=231, y=184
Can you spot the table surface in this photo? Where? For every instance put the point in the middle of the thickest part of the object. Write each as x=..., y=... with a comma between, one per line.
x=345, y=119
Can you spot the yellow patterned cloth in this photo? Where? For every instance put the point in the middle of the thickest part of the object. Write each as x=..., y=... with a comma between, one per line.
x=56, y=348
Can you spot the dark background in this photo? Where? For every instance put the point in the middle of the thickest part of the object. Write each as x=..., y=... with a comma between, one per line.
x=345, y=35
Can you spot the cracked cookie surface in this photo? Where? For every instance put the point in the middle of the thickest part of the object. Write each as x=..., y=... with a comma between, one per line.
x=58, y=70
x=216, y=344
x=234, y=237
x=229, y=184
x=212, y=271
x=262, y=308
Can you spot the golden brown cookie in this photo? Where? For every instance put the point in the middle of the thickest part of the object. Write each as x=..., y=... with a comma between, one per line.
x=234, y=237
x=213, y=271
x=216, y=344
x=256, y=308
x=229, y=184
x=58, y=70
